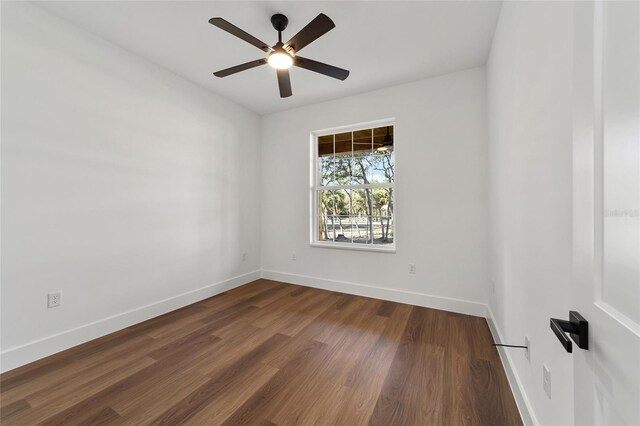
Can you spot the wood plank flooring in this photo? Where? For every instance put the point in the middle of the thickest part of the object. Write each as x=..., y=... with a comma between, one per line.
x=270, y=353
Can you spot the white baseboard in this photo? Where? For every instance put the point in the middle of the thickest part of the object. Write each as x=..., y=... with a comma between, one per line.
x=32, y=351
x=400, y=296
x=523, y=403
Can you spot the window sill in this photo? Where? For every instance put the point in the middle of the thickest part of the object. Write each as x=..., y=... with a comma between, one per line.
x=391, y=248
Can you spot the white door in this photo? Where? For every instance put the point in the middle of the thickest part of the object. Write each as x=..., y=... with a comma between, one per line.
x=606, y=199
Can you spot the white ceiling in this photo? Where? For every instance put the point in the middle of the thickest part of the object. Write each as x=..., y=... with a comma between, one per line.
x=381, y=43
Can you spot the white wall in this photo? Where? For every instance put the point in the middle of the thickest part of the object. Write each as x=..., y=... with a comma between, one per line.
x=530, y=190
x=123, y=185
x=441, y=195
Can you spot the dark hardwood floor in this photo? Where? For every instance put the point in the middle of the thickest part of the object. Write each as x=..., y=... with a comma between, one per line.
x=269, y=353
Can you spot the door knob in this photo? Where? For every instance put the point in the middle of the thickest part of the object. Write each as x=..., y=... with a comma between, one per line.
x=577, y=327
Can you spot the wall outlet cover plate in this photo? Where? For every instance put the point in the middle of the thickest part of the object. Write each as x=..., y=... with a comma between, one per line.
x=53, y=300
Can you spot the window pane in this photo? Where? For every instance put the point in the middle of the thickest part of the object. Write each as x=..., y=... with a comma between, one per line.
x=382, y=168
x=324, y=203
x=326, y=170
x=361, y=202
x=341, y=200
x=383, y=215
x=343, y=169
x=361, y=230
x=389, y=232
x=325, y=160
x=361, y=165
x=380, y=201
x=343, y=229
x=382, y=230
x=324, y=223
x=326, y=230
x=363, y=141
x=325, y=146
x=383, y=139
x=344, y=144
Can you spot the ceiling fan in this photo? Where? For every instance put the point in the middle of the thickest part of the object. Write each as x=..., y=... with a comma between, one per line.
x=283, y=55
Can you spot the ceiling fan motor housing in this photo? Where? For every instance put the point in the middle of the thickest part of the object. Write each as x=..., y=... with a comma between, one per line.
x=279, y=22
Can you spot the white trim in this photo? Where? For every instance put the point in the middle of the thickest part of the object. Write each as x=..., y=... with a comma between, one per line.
x=524, y=405
x=363, y=186
x=598, y=151
x=599, y=171
x=401, y=296
x=380, y=248
x=32, y=351
x=619, y=317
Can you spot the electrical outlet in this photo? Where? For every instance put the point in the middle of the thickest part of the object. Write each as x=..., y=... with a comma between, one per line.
x=53, y=300
x=412, y=268
x=527, y=351
x=244, y=257
x=546, y=380
x=294, y=256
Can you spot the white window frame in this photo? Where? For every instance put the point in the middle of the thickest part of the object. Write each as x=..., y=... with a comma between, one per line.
x=314, y=187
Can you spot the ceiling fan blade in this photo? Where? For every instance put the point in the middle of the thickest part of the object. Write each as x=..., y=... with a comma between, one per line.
x=322, y=68
x=315, y=29
x=241, y=67
x=232, y=29
x=284, y=83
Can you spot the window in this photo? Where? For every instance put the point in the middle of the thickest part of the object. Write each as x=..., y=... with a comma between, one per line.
x=353, y=188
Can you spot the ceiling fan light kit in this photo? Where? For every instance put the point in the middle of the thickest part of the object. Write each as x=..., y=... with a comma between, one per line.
x=282, y=56
x=280, y=59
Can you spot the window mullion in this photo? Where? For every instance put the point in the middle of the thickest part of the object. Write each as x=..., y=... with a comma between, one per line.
x=362, y=186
